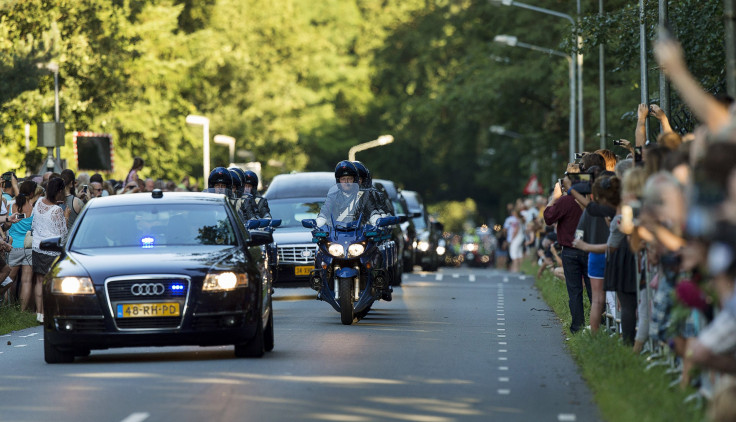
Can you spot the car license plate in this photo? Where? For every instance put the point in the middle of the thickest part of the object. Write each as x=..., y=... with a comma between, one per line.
x=147, y=310
x=303, y=270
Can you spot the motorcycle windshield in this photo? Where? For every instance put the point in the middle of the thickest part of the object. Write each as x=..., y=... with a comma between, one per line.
x=345, y=206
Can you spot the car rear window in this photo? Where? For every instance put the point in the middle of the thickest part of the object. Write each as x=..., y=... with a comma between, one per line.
x=151, y=225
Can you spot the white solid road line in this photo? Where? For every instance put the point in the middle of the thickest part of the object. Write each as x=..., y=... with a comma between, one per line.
x=137, y=417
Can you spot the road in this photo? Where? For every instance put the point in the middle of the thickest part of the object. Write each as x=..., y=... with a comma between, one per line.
x=457, y=345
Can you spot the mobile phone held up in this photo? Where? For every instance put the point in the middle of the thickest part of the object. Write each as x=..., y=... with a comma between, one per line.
x=637, y=154
x=84, y=188
x=20, y=215
x=618, y=142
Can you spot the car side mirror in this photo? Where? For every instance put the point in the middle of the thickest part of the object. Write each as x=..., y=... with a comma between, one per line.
x=309, y=223
x=52, y=244
x=416, y=214
x=402, y=218
x=258, y=238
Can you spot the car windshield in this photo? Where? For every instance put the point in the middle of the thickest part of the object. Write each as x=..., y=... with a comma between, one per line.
x=419, y=222
x=151, y=225
x=293, y=211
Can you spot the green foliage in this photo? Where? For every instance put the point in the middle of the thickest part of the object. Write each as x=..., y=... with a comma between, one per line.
x=13, y=319
x=456, y=215
x=624, y=389
x=298, y=83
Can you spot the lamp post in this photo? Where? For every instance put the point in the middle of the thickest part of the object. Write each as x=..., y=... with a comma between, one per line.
x=194, y=119
x=512, y=41
x=382, y=140
x=577, y=40
x=230, y=142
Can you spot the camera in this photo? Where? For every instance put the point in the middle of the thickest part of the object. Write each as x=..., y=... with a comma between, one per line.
x=21, y=215
x=84, y=188
x=579, y=155
x=618, y=142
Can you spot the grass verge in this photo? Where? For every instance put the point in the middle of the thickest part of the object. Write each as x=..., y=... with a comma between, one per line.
x=13, y=319
x=624, y=390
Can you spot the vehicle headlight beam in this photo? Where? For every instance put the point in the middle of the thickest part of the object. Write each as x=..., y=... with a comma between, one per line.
x=72, y=286
x=224, y=281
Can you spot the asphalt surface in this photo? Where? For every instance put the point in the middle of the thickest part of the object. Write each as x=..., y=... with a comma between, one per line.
x=457, y=345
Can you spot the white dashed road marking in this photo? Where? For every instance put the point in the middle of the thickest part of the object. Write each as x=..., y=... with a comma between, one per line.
x=503, y=368
x=504, y=391
x=20, y=345
x=456, y=275
x=137, y=417
x=471, y=278
x=566, y=417
x=438, y=277
x=503, y=379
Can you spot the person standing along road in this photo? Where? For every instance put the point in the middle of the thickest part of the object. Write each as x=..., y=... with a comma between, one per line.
x=132, y=176
x=566, y=212
x=71, y=199
x=20, y=256
x=49, y=220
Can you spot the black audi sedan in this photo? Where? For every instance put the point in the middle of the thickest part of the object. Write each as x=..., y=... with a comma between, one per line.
x=157, y=269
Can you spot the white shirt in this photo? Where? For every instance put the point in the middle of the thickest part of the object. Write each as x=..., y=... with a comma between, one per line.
x=48, y=221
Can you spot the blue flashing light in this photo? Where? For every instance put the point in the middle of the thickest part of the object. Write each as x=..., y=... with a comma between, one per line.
x=177, y=288
x=147, y=242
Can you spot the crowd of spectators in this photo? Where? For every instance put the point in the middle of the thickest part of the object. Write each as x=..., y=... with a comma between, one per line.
x=650, y=237
x=46, y=205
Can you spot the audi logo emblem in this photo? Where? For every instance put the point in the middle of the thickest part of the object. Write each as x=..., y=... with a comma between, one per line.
x=147, y=289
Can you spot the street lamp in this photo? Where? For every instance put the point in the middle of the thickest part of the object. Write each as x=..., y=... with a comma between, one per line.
x=579, y=60
x=512, y=41
x=58, y=132
x=382, y=140
x=230, y=142
x=193, y=119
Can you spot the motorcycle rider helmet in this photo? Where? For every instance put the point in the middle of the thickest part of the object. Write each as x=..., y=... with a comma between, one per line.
x=251, y=178
x=346, y=168
x=237, y=182
x=220, y=181
x=364, y=174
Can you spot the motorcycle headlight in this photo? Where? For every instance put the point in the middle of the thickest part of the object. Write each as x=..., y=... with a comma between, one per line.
x=356, y=249
x=72, y=286
x=224, y=281
x=423, y=246
x=336, y=249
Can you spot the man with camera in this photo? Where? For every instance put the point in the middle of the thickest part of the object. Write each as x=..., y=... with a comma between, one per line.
x=10, y=186
x=565, y=211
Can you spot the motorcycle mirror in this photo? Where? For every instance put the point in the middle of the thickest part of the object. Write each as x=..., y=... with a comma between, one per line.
x=386, y=221
x=275, y=222
x=309, y=223
x=403, y=218
x=252, y=224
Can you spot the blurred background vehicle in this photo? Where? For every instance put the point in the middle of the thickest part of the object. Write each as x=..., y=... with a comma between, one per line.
x=428, y=232
x=292, y=198
x=404, y=233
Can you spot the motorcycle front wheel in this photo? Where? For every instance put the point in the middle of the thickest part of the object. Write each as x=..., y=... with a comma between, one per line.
x=346, y=301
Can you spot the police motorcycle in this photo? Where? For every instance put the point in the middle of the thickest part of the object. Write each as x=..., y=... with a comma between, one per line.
x=354, y=259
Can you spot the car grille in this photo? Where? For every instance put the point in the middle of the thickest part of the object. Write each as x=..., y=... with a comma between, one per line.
x=148, y=289
x=148, y=323
x=120, y=290
x=295, y=254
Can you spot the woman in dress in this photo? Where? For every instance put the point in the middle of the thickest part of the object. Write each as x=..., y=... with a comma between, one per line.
x=49, y=220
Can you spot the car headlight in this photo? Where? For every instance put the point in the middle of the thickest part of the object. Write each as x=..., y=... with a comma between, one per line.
x=356, y=249
x=423, y=245
x=336, y=249
x=441, y=250
x=72, y=286
x=224, y=281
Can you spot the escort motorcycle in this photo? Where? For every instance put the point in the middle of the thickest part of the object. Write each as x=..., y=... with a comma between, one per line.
x=355, y=259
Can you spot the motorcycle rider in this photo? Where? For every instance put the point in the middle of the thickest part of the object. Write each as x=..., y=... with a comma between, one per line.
x=254, y=206
x=220, y=181
x=346, y=201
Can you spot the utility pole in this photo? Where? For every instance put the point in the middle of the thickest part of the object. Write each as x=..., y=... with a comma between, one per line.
x=729, y=15
x=643, y=58
x=602, y=83
x=664, y=85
